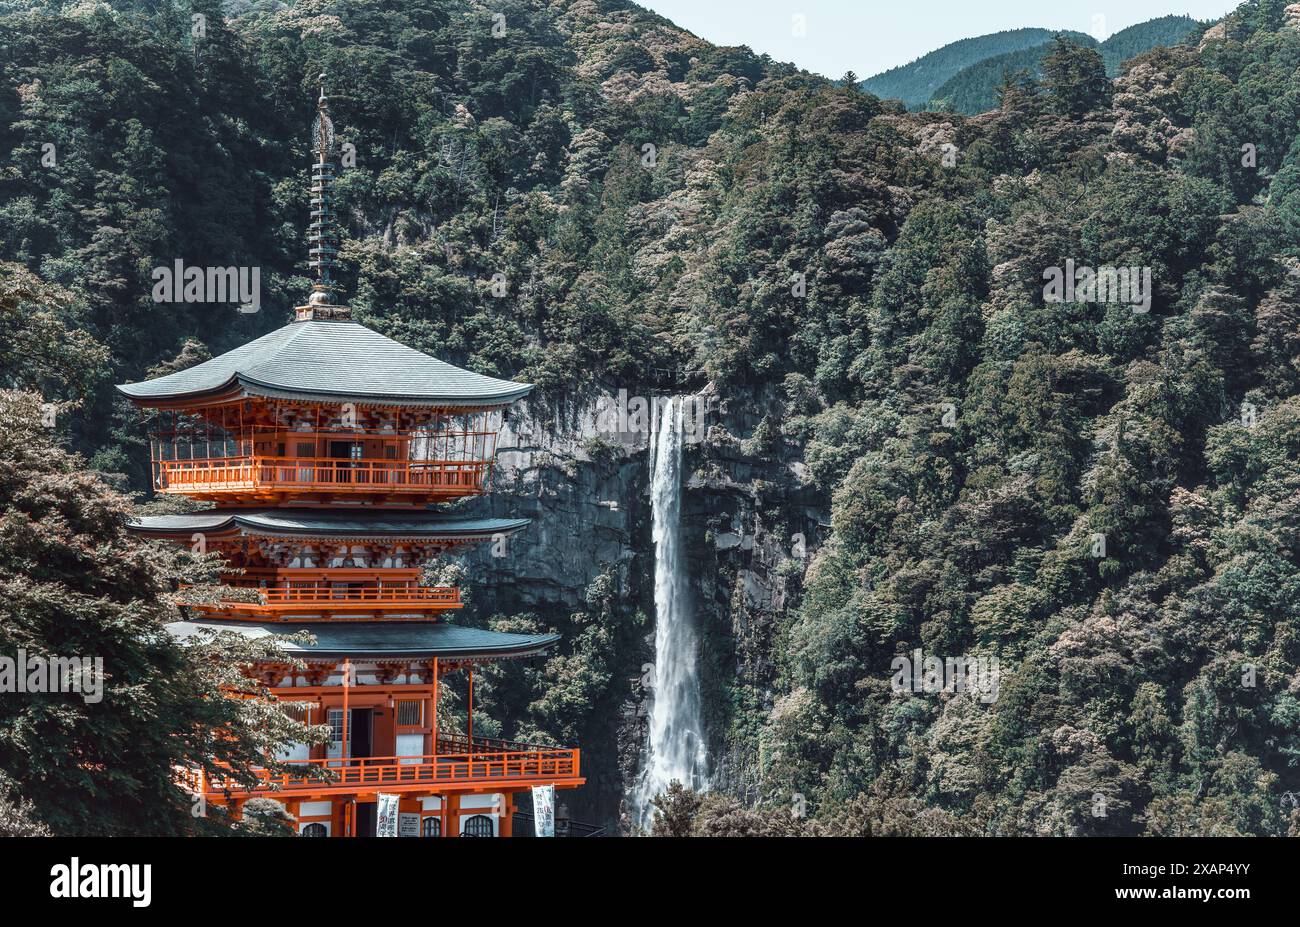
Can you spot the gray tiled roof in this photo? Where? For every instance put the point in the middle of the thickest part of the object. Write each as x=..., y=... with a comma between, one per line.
x=332, y=360
x=383, y=638
x=316, y=522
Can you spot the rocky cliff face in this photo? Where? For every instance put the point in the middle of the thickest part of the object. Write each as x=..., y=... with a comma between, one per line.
x=584, y=489
x=750, y=526
x=580, y=470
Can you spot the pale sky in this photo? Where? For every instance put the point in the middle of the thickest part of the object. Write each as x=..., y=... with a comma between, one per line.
x=870, y=36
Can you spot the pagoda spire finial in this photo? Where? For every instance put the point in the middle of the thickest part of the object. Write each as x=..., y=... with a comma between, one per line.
x=322, y=233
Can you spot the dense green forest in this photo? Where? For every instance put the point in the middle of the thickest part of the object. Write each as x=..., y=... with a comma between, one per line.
x=650, y=197
x=974, y=89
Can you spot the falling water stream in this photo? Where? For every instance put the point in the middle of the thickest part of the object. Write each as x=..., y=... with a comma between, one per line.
x=675, y=748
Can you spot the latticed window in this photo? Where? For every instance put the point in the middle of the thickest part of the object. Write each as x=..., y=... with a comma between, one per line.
x=432, y=827
x=315, y=830
x=336, y=727
x=480, y=825
x=408, y=713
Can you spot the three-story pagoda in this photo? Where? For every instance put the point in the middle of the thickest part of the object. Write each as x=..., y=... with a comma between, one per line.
x=327, y=450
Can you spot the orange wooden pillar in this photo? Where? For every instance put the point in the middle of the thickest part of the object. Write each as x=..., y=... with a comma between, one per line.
x=433, y=727
x=451, y=815
x=507, y=826
x=346, y=747
x=349, y=816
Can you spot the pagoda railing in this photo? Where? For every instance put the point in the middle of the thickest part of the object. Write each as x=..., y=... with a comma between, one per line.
x=459, y=743
x=262, y=577
x=327, y=595
x=324, y=597
x=453, y=477
x=425, y=460
x=418, y=443
x=477, y=769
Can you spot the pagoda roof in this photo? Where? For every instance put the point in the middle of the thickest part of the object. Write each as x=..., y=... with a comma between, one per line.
x=383, y=639
x=368, y=522
x=330, y=361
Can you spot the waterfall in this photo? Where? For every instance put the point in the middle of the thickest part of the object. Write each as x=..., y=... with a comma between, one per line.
x=675, y=748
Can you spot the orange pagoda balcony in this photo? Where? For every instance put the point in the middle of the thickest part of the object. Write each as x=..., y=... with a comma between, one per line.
x=256, y=464
x=338, y=599
x=266, y=479
x=311, y=594
x=487, y=766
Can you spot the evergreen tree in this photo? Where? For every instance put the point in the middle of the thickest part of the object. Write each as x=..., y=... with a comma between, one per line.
x=1075, y=76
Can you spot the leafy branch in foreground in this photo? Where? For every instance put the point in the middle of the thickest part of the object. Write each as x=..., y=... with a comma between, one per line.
x=75, y=583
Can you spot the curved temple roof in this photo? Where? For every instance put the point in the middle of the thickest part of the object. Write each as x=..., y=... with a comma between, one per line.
x=328, y=361
x=382, y=639
x=327, y=523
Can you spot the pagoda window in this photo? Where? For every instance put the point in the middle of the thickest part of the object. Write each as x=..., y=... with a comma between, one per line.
x=346, y=450
x=317, y=829
x=480, y=825
x=334, y=718
x=432, y=827
x=408, y=713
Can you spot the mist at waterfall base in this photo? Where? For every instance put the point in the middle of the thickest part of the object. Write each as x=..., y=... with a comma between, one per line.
x=675, y=748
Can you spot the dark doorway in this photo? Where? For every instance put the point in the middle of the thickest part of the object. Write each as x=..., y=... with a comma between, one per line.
x=365, y=820
x=348, y=451
x=359, y=733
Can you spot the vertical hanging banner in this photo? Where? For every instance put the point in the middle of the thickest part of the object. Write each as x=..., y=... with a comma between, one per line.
x=544, y=810
x=386, y=815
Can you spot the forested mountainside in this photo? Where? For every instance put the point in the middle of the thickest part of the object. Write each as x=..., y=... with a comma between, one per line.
x=1101, y=497
x=915, y=83
x=974, y=89
x=1164, y=30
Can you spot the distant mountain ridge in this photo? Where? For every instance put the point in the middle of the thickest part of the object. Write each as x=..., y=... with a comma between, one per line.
x=972, y=87
x=1166, y=30
x=915, y=83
